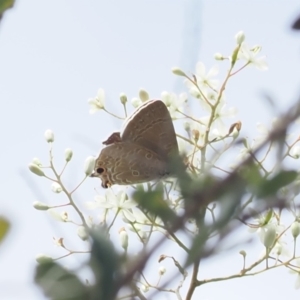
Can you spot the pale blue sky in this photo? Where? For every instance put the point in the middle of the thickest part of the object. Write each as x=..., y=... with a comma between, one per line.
x=54, y=55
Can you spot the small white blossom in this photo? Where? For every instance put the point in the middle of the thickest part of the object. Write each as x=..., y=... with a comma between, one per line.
x=249, y=55
x=97, y=103
x=178, y=72
x=59, y=216
x=240, y=37
x=82, y=233
x=40, y=206
x=204, y=79
x=123, y=238
x=49, y=136
x=56, y=187
x=35, y=169
x=68, y=154
x=162, y=270
x=269, y=235
x=123, y=98
x=144, y=288
x=295, y=229
x=89, y=165
x=119, y=203
x=295, y=152
x=174, y=103
x=143, y=94
x=42, y=258
x=136, y=102
x=218, y=56
x=36, y=161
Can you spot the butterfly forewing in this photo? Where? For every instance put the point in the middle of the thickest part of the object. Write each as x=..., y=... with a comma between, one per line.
x=151, y=126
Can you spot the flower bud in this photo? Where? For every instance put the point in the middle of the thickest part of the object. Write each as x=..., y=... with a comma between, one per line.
x=218, y=56
x=82, y=233
x=123, y=98
x=278, y=249
x=144, y=288
x=59, y=216
x=37, y=162
x=64, y=216
x=49, y=136
x=161, y=270
x=166, y=98
x=187, y=126
x=196, y=134
x=40, y=206
x=295, y=229
x=143, y=94
x=178, y=72
x=123, y=238
x=56, y=187
x=135, y=102
x=234, y=55
x=89, y=165
x=36, y=170
x=68, y=154
x=41, y=258
x=243, y=253
x=240, y=37
x=295, y=152
x=269, y=237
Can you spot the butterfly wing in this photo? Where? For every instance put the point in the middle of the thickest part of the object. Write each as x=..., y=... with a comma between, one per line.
x=151, y=127
x=128, y=163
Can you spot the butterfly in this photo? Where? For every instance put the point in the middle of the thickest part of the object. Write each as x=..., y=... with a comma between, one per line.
x=142, y=151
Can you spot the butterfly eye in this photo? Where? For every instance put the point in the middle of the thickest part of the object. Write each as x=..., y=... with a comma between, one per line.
x=100, y=170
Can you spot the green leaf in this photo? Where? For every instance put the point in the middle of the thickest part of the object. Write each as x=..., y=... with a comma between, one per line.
x=5, y=4
x=271, y=186
x=105, y=263
x=59, y=283
x=154, y=203
x=4, y=227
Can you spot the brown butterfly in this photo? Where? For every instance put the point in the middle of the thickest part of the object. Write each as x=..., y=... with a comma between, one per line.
x=142, y=151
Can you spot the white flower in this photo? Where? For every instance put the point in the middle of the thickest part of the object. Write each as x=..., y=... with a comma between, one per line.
x=119, y=203
x=249, y=55
x=174, y=102
x=97, y=103
x=204, y=79
x=264, y=132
